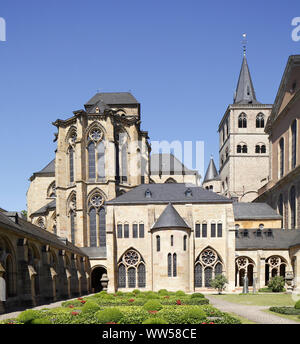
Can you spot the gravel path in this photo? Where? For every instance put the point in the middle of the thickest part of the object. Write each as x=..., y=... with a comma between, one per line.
x=253, y=313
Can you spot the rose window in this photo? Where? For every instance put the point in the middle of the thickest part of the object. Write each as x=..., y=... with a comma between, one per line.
x=242, y=262
x=208, y=257
x=274, y=261
x=131, y=258
x=96, y=200
x=96, y=134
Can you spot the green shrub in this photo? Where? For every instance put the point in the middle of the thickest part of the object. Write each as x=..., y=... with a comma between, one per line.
x=134, y=315
x=152, y=295
x=119, y=293
x=90, y=306
x=109, y=315
x=154, y=320
x=152, y=305
x=197, y=295
x=285, y=310
x=76, y=303
x=276, y=284
x=193, y=315
x=180, y=293
x=26, y=317
x=40, y=321
x=297, y=304
x=163, y=292
x=136, y=291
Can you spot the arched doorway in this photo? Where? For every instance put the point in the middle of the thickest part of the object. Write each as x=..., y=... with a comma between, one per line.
x=96, y=276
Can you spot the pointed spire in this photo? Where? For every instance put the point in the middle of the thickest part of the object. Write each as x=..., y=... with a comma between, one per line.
x=211, y=172
x=245, y=93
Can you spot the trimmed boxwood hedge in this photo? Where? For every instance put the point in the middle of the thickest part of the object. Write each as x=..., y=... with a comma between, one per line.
x=285, y=310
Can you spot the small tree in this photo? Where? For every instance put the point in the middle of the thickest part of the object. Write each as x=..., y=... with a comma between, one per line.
x=276, y=284
x=219, y=283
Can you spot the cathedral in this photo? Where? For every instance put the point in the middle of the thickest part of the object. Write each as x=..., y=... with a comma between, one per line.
x=143, y=220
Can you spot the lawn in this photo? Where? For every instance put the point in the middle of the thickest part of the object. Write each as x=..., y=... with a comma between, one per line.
x=137, y=307
x=263, y=299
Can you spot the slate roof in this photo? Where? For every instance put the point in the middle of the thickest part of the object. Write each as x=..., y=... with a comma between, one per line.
x=245, y=93
x=49, y=169
x=170, y=218
x=163, y=163
x=50, y=206
x=165, y=193
x=94, y=252
x=211, y=172
x=254, y=211
x=280, y=239
x=25, y=228
x=113, y=98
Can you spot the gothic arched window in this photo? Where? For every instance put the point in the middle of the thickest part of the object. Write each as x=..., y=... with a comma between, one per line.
x=174, y=264
x=97, y=220
x=132, y=265
x=242, y=121
x=281, y=157
x=244, y=149
x=96, y=155
x=260, y=121
x=293, y=207
x=207, y=265
x=71, y=164
x=157, y=243
x=121, y=276
x=72, y=215
x=141, y=276
x=169, y=265
x=294, y=143
x=72, y=136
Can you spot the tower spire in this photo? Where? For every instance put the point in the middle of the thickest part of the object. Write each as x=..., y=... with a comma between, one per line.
x=245, y=93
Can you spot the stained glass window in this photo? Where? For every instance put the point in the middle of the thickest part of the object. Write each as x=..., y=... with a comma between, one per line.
x=121, y=276
x=93, y=229
x=141, y=276
x=169, y=265
x=72, y=217
x=294, y=143
x=207, y=276
x=174, y=264
x=198, y=276
x=204, y=230
x=101, y=160
x=102, y=227
x=71, y=164
x=131, y=273
x=92, y=164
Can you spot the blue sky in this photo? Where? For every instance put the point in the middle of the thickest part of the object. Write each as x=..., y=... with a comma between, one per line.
x=180, y=59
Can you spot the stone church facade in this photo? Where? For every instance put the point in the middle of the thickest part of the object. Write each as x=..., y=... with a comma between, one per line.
x=149, y=226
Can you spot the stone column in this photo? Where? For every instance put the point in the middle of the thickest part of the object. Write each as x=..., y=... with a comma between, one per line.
x=297, y=271
x=111, y=250
x=2, y=289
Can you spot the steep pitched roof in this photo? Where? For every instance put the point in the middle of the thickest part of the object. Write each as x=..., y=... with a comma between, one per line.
x=211, y=172
x=170, y=218
x=24, y=228
x=164, y=193
x=112, y=98
x=254, y=211
x=45, y=209
x=245, y=93
x=165, y=163
x=48, y=170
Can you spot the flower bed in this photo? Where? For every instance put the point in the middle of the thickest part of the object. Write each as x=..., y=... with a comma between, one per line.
x=130, y=308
